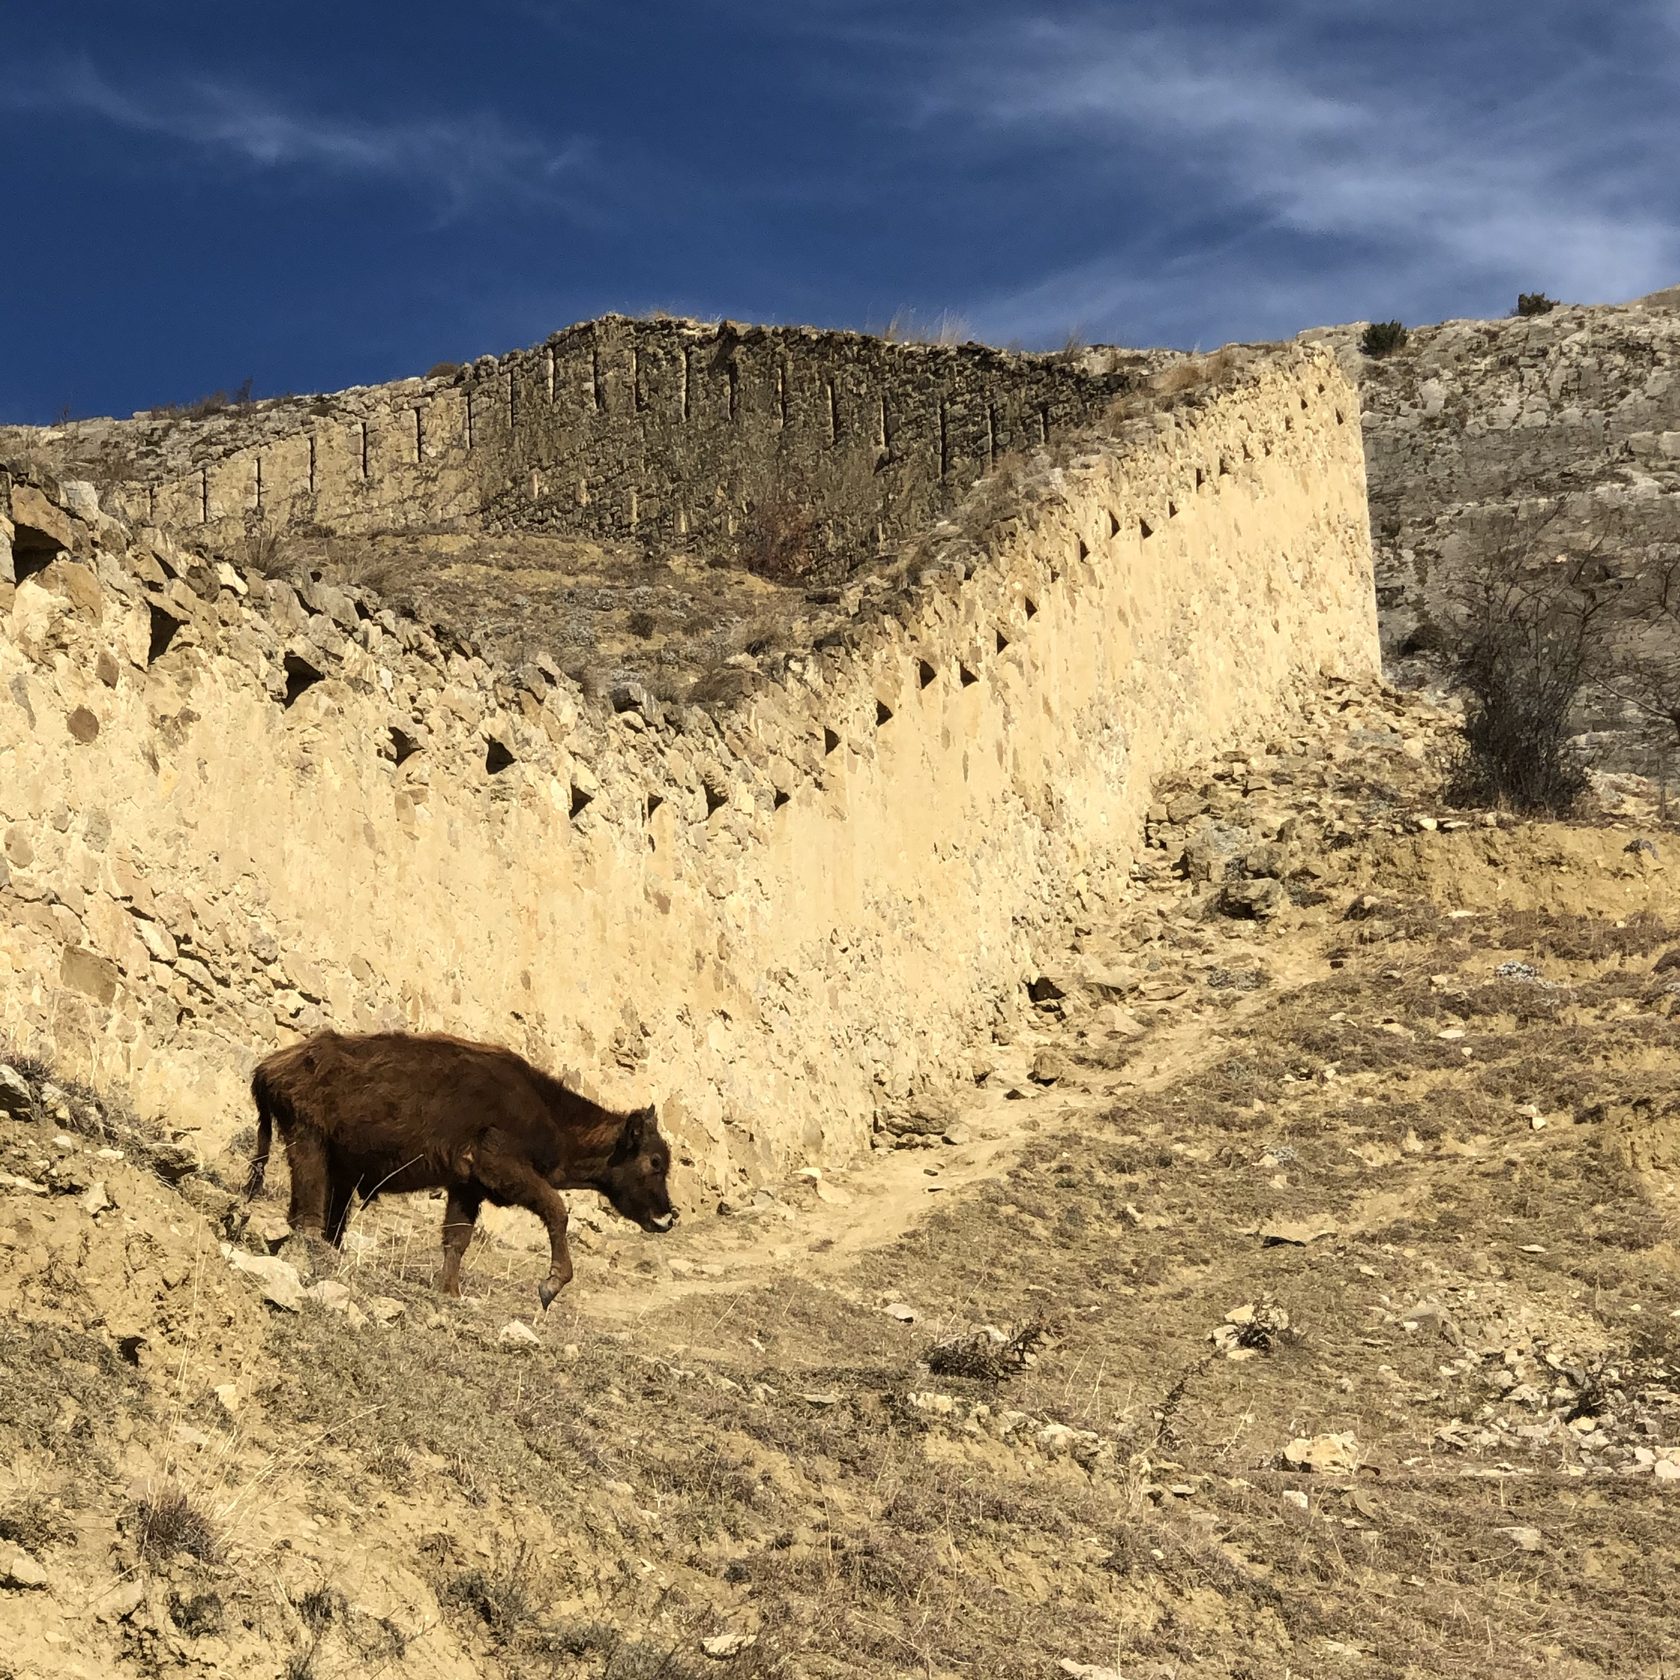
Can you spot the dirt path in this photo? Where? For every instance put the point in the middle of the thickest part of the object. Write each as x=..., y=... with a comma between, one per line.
x=816, y=1226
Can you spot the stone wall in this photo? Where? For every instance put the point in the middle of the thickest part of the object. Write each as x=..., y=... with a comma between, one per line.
x=665, y=430
x=229, y=814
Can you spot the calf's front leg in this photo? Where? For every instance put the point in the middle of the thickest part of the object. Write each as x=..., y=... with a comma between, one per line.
x=560, y=1254
x=520, y=1185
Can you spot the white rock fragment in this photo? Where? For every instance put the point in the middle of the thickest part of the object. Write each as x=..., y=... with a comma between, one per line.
x=279, y=1280
x=1327, y=1455
x=19, y=1569
x=722, y=1646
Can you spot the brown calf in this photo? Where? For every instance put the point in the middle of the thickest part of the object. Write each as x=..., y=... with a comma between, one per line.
x=377, y=1113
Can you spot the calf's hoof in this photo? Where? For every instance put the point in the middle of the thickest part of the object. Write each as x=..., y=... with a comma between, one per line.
x=548, y=1289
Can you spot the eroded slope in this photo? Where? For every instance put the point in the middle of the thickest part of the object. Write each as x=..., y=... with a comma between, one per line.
x=1332, y=1176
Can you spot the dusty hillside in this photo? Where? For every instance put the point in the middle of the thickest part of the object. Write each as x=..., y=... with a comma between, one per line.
x=1295, y=1294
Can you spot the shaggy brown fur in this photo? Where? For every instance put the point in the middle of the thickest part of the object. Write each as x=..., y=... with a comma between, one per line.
x=376, y=1113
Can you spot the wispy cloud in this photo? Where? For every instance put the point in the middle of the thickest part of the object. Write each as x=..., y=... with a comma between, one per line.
x=1324, y=169
x=459, y=162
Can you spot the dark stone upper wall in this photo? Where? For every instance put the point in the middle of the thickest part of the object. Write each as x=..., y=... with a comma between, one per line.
x=654, y=428
x=664, y=430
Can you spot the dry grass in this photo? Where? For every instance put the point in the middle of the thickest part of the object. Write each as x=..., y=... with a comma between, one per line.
x=97, y=1111
x=266, y=550
x=912, y=326
x=1197, y=373
x=34, y=1523
x=169, y=1523
x=1588, y=939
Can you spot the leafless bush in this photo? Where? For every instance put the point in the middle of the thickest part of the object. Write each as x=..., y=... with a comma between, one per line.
x=1528, y=628
x=779, y=540
x=802, y=532
x=1644, y=674
x=980, y=1356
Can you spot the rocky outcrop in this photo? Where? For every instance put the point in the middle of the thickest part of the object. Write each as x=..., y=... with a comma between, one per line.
x=1578, y=405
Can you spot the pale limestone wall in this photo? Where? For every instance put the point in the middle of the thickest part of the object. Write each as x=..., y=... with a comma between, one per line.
x=771, y=926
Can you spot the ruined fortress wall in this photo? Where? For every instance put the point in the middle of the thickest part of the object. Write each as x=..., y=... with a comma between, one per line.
x=773, y=924
x=658, y=429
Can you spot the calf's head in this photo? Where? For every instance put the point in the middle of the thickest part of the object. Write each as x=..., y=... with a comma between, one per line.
x=634, y=1181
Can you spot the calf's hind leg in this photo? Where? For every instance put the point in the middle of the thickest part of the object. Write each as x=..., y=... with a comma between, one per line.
x=459, y=1218
x=306, y=1160
x=515, y=1182
x=341, y=1197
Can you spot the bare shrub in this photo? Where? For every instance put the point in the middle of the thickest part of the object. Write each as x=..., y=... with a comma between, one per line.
x=1528, y=631
x=1644, y=674
x=979, y=1356
x=169, y=1522
x=779, y=540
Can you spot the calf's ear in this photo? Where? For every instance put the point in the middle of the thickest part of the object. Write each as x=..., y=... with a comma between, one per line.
x=630, y=1139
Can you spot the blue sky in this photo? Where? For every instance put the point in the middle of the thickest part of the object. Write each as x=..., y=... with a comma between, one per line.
x=314, y=195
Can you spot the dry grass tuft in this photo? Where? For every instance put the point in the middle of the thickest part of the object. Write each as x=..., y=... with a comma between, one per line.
x=910, y=326
x=1197, y=373
x=170, y=1523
